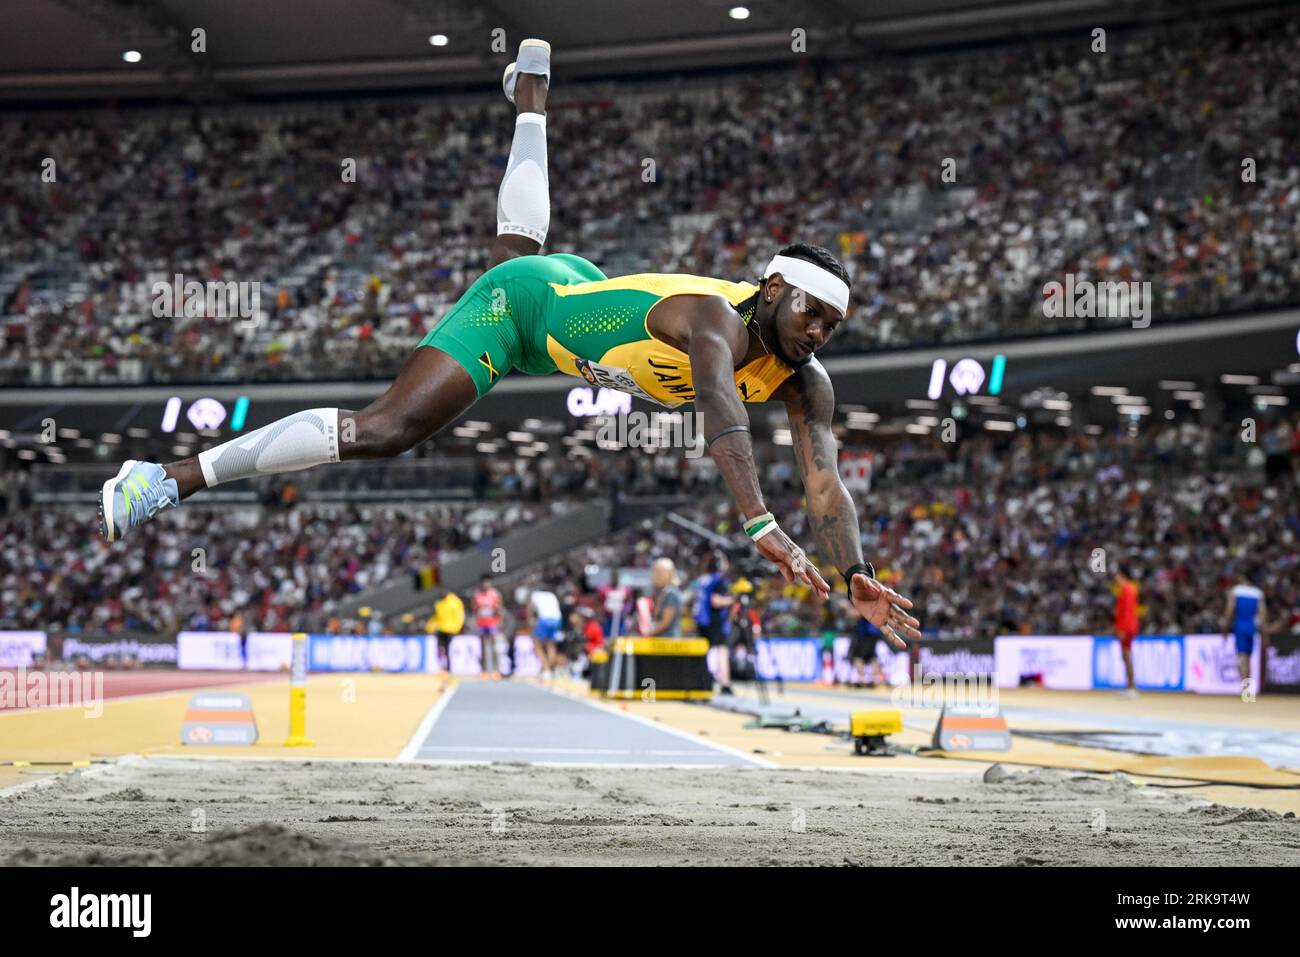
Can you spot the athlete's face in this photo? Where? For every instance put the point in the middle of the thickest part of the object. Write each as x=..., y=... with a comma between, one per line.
x=801, y=321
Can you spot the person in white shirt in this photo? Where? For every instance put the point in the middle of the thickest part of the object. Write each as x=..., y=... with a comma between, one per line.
x=544, y=613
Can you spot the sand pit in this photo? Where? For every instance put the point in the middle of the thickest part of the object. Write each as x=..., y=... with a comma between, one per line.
x=144, y=811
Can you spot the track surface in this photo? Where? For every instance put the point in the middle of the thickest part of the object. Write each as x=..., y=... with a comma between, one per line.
x=512, y=721
x=126, y=684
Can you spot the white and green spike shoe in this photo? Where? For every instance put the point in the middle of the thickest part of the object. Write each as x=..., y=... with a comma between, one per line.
x=139, y=492
x=534, y=57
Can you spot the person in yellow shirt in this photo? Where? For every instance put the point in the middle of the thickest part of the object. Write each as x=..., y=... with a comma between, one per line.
x=448, y=621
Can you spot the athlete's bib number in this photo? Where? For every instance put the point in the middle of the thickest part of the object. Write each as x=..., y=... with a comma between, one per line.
x=610, y=377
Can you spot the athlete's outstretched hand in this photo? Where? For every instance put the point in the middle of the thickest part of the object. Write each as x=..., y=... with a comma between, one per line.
x=794, y=564
x=884, y=608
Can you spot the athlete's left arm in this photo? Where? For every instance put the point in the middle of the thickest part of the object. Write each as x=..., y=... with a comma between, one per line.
x=810, y=404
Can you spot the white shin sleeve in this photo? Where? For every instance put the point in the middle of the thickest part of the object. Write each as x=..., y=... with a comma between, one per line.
x=524, y=202
x=295, y=442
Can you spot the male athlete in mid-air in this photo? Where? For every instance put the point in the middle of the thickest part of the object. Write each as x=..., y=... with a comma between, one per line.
x=667, y=338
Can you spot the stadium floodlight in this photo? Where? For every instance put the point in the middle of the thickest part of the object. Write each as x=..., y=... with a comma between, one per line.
x=738, y=13
x=132, y=56
x=439, y=40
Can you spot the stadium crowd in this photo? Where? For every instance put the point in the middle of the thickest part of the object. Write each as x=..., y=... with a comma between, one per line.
x=272, y=568
x=1170, y=158
x=1001, y=535
x=992, y=534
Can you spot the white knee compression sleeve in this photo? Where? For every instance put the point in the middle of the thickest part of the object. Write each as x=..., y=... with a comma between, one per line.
x=295, y=442
x=524, y=203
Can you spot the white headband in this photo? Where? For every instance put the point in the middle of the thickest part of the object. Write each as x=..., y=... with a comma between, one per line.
x=812, y=279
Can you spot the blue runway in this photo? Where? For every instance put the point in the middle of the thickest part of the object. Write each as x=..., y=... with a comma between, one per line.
x=515, y=721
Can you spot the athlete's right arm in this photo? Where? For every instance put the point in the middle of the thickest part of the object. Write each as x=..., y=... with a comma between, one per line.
x=716, y=342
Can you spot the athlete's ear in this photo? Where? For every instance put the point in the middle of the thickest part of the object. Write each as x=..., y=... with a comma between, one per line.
x=773, y=286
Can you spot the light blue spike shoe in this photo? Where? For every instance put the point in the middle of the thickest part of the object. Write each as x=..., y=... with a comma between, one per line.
x=139, y=492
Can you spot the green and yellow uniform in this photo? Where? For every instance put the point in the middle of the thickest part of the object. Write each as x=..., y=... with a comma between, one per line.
x=540, y=314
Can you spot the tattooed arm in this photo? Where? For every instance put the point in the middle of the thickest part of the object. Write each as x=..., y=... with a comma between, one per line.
x=832, y=517
x=810, y=404
x=716, y=341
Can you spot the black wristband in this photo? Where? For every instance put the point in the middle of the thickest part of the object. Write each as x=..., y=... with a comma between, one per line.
x=864, y=567
x=717, y=435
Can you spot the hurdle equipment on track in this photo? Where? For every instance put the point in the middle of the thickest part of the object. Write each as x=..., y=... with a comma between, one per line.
x=671, y=669
x=965, y=728
x=219, y=719
x=599, y=677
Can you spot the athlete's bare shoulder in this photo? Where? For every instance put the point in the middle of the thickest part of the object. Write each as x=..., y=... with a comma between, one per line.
x=678, y=318
x=809, y=386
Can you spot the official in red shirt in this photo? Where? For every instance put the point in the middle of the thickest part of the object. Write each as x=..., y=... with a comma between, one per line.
x=1126, y=622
